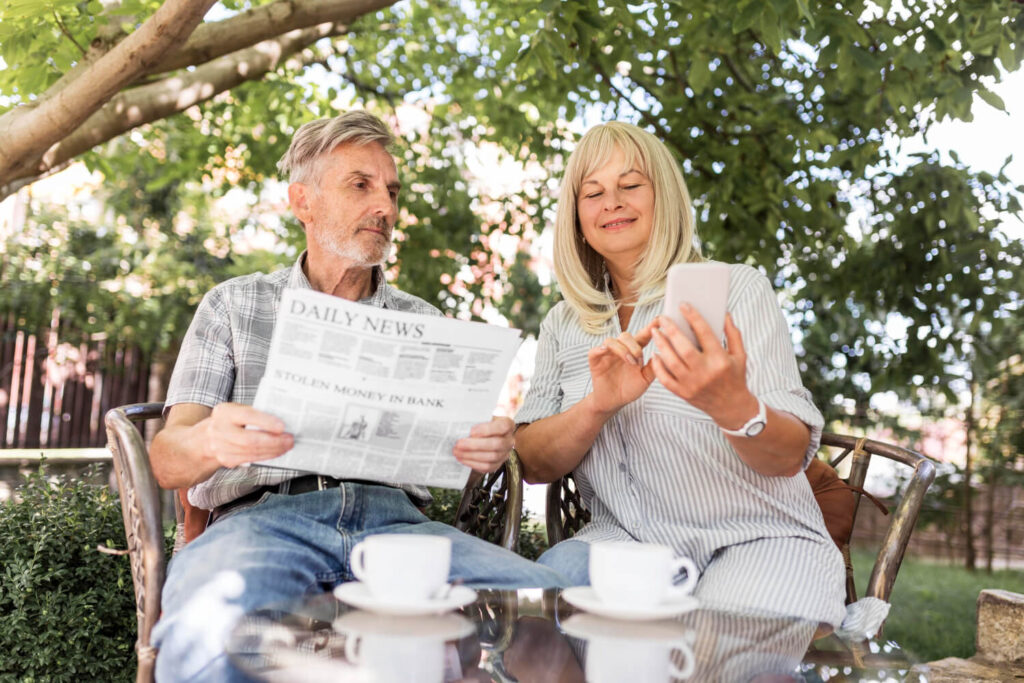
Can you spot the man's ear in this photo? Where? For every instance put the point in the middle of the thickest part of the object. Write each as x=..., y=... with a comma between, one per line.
x=298, y=199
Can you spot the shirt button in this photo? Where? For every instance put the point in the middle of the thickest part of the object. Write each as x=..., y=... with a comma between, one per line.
x=622, y=467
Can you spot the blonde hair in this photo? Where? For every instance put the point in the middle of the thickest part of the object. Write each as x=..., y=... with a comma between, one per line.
x=301, y=163
x=580, y=270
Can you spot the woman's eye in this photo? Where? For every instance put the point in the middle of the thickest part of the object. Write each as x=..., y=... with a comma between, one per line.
x=592, y=195
x=631, y=187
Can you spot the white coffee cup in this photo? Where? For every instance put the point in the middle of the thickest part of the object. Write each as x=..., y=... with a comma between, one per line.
x=397, y=659
x=623, y=659
x=638, y=574
x=402, y=567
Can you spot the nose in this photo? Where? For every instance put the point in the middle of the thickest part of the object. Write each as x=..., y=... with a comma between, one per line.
x=384, y=204
x=612, y=200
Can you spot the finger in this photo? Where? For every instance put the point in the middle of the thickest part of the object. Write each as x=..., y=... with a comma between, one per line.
x=671, y=334
x=643, y=337
x=246, y=416
x=258, y=442
x=621, y=351
x=492, y=444
x=664, y=375
x=733, y=338
x=667, y=349
x=498, y=426
x=648, y=370
x=483, y=466
x=705, y=337
x=631, y=344
x=262, y=447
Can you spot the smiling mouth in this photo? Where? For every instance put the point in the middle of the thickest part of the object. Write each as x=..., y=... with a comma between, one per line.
x=620, y=223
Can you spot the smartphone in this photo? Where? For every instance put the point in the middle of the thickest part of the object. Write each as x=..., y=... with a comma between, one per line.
x=705, y=286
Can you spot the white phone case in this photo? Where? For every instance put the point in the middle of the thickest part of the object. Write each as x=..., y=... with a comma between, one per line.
x=705, y=286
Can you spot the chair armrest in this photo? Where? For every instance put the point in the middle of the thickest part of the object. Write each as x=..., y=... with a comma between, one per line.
x=897, y=535
x=492, y=504
x=141, y=510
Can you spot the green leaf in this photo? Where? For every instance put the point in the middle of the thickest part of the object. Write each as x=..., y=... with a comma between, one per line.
x=749, y=12
x=991, y=98
x=699, y=74
x=1008, y=55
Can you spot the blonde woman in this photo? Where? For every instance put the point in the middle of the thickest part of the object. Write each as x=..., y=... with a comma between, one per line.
x=694, y=448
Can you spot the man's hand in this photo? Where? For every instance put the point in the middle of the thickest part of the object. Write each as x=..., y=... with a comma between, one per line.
x=487, y=446
x=227, y=439
x=198, y=440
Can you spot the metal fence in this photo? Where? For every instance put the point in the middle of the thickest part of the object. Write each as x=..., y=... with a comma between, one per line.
x=54, y=389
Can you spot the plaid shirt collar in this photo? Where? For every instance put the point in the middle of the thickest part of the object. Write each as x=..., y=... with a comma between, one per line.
x=382, y=296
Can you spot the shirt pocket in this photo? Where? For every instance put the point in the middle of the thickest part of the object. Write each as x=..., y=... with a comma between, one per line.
x=658, y=399
x=574, y=374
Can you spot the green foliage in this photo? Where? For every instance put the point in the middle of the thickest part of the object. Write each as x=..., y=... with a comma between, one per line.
x=67, y=611
x=785, y=116
x=934, y=606
x=532, y=535
x=444, y=505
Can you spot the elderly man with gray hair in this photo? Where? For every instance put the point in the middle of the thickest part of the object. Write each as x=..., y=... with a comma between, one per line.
x=276, y=534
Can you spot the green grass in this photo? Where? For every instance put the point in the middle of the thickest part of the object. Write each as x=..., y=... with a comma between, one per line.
x=934, y=605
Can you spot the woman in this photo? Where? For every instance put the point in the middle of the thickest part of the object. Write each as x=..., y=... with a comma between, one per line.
x=656, y=429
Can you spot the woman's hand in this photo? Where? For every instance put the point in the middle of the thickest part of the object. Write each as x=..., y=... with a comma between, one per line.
x=618, y=372
x=711, y=378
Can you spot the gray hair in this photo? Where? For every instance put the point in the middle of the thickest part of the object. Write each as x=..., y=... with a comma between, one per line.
x=315, y=139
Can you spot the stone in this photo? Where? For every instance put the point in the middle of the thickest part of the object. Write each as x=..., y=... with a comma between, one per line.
x=1000, y=635
x=954, y=669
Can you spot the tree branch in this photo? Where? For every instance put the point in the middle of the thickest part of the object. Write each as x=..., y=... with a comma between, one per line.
x=148, y=103
x=66, y=32
x=26, y=132
x=39, y=136
x=215, y=39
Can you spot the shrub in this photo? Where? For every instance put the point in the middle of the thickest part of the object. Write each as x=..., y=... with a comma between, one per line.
x=67, y=611
x=533, y=538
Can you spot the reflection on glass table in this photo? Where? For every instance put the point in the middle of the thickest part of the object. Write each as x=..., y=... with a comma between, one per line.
x=534, y=635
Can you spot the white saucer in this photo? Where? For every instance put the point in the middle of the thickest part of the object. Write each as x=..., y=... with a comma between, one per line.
x=592, y=626
x=586, y=599
x=423, y=627
x=358, y=595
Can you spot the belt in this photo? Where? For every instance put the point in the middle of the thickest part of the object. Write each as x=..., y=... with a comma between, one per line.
x=293, y=487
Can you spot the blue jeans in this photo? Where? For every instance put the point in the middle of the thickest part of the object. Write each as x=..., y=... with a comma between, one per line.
x=571, y=559
x=286, y=546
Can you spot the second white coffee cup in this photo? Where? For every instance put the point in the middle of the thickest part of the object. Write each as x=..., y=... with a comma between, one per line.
x=638, y=574
x=402, y=567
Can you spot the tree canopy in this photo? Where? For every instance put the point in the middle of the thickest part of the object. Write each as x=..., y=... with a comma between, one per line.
x=786, y=117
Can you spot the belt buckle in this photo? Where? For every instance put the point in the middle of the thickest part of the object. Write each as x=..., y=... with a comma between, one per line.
x=320, y=482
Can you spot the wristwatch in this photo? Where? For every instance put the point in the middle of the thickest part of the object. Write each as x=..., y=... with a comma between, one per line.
x=754, y=425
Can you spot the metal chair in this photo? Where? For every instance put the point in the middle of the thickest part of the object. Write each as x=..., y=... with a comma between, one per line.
x=491, y=508
x=566, y=513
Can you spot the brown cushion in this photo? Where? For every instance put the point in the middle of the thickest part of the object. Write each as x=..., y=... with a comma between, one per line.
x=195, y=518
x=835, y=499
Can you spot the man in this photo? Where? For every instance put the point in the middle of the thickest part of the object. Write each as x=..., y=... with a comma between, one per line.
x=277, y=534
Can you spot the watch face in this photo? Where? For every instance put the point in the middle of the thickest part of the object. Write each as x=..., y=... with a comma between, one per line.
x=755, y=429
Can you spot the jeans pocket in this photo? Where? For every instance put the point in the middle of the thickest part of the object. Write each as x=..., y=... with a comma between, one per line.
x=235, y=509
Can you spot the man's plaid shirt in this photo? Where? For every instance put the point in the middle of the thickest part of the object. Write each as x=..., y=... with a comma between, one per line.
x=224, y=355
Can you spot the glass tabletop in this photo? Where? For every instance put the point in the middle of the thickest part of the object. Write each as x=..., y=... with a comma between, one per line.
x=535, y=635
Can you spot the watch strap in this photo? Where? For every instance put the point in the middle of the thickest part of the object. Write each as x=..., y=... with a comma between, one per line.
x=753, y=426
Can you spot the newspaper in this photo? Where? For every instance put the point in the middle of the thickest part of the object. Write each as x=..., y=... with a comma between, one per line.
x=380, y=395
